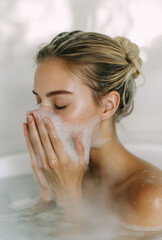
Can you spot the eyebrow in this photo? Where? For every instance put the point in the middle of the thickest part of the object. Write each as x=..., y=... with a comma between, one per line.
x=50, y=94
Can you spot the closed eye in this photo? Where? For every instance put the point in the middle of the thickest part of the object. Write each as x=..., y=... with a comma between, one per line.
x=60, y=107
x=57, y=107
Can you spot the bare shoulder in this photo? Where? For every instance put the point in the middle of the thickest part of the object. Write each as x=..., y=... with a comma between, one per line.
x=143, y=199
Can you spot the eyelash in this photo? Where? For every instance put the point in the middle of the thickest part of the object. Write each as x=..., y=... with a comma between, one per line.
x=59, y=108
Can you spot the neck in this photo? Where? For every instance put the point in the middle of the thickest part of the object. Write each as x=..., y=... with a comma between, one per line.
x=109, y=159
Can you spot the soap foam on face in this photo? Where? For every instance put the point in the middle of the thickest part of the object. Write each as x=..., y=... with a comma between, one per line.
x=68, y=133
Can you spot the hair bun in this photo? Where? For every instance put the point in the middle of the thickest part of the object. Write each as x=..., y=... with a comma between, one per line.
x=131, y=55
x=131, y=49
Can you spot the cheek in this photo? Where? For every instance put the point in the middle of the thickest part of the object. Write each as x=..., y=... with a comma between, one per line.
x=81, y=113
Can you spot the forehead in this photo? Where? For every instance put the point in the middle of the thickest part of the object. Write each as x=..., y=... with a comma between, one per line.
x=54, y=74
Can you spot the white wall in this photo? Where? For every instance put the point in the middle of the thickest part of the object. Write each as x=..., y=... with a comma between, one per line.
x=24, y=24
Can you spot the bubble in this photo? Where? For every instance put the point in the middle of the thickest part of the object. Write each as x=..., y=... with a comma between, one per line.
x=141, y=228
x=67, y=133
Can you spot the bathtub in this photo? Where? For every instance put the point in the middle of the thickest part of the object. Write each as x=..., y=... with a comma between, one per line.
x=19, y=164
x=20, y=219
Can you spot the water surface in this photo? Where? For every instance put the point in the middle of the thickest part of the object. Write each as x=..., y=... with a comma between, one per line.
x=21, y=218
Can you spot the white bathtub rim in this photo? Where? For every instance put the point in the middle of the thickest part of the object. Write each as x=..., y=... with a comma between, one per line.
x=20, y=164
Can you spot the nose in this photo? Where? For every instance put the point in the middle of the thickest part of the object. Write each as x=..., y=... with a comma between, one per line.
x=46, y=107
x=43, y=109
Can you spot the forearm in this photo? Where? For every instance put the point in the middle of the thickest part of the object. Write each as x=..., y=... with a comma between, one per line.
x=46, y=195
x=71, y=201
x=67, y=198
x=71, y=197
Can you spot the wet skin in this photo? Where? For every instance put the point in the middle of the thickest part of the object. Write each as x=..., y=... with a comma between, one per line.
x=130, y=185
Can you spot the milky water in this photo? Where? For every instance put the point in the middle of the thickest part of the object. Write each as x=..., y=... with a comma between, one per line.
x=22, y=219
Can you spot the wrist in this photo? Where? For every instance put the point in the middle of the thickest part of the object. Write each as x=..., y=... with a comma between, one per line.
x=70, y=196
x=46, y=195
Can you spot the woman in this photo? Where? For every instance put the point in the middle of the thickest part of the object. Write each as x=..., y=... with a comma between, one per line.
x=86, y=76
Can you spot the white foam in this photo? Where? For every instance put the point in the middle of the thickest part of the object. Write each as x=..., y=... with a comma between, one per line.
x=68, y=133
x=141, y=228
x=24, y=203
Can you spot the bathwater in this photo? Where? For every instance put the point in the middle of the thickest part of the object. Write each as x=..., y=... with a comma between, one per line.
x=22, y=219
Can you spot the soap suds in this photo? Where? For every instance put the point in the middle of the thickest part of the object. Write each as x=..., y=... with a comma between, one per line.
x=68, y=133
x=141, y=228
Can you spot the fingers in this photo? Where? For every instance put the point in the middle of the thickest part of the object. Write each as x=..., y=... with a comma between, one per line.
x=51, y=156
x=55, y=141
x=49, y=146
x=80, y=150
x=30, y=147
x=34, y=161
x=36, y=141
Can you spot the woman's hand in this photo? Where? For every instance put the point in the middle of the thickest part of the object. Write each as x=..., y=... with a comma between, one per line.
x=46, y=194
x=60, y=171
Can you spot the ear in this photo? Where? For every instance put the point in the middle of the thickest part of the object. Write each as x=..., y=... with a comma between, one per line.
x=110, y=104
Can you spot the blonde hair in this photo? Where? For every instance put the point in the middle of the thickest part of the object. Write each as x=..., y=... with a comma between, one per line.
x=103, y=63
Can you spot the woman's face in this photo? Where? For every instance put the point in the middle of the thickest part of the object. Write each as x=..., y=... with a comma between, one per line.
x=68, y=102
x=60, y=92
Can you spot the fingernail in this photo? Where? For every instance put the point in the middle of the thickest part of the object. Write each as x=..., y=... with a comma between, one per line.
x=27, y=113
x=30, y=118
x=35, y=114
